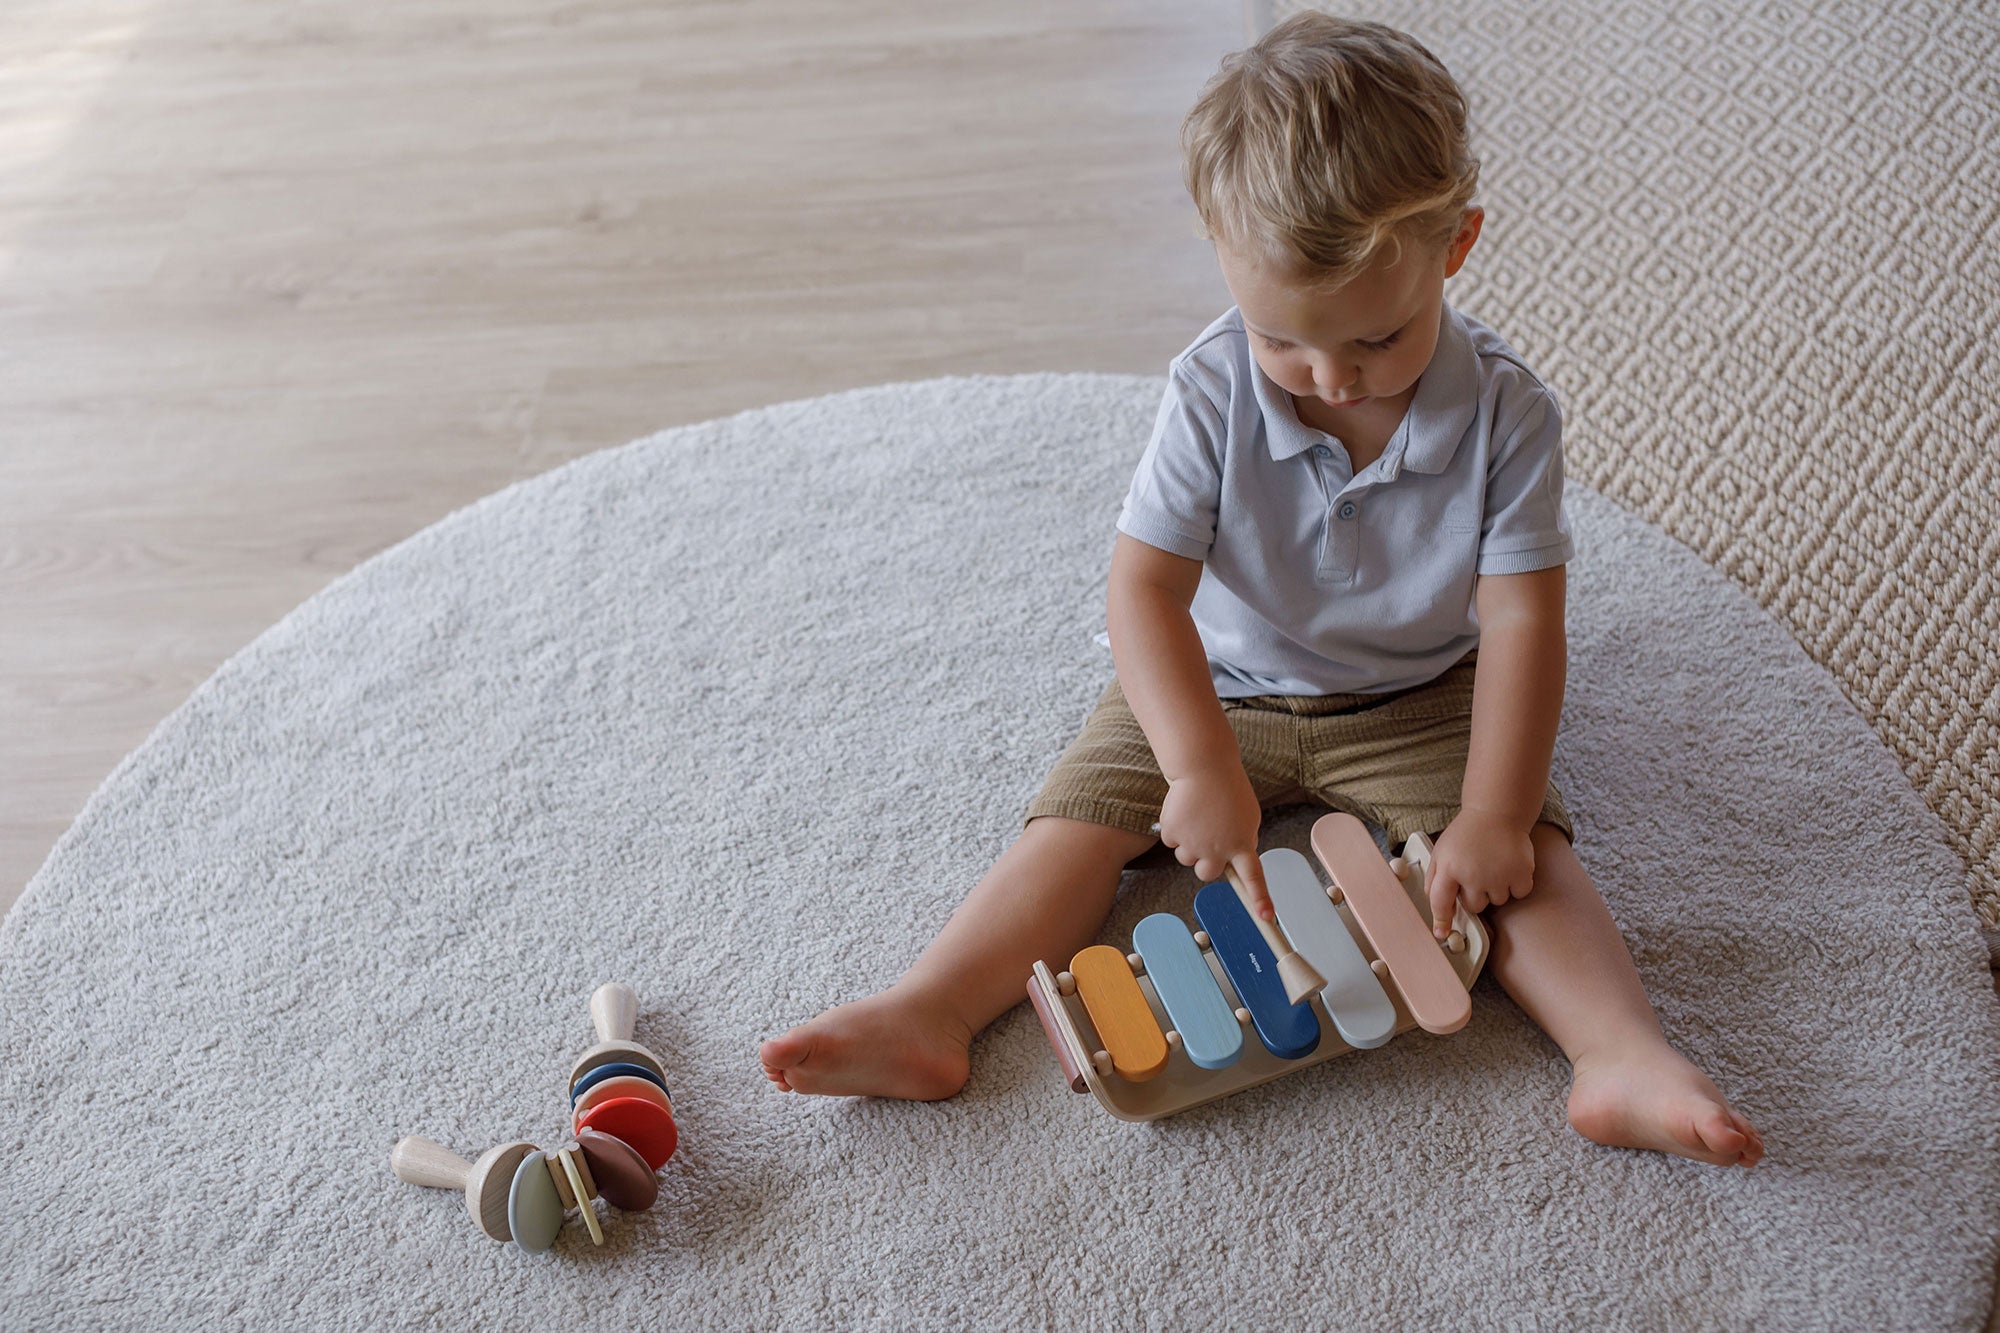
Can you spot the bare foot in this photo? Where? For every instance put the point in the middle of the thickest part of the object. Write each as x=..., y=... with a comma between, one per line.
x=1653, y=1098
x=888, y=1045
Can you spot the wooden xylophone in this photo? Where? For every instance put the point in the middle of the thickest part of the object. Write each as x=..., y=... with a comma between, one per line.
x=1190, y=1016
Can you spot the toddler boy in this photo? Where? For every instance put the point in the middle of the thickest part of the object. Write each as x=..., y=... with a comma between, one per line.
x=1338, y=578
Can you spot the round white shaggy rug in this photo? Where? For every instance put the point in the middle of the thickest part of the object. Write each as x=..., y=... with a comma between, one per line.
x=735, y=714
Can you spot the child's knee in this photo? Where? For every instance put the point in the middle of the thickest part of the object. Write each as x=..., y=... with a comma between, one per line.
x=1548, y=837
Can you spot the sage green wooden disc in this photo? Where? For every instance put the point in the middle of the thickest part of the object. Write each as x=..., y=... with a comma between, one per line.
x=534, y=1209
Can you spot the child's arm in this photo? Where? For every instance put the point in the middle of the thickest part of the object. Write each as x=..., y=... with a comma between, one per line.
x=1211, y=814
x=1516, y=701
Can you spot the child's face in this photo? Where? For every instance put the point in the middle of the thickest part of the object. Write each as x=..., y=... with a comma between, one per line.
x=1366, y=341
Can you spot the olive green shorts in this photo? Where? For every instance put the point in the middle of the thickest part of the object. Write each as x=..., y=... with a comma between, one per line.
x=1397, y=759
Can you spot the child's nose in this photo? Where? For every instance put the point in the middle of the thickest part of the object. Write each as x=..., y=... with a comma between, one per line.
x=1332, y=378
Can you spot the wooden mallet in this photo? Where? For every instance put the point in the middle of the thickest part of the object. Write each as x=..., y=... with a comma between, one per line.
x=1298, y=975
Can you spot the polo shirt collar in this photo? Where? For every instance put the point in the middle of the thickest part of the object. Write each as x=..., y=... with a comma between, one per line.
x=1446, y=402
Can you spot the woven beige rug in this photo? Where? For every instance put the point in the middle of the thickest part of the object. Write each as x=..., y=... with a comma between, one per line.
x=1752, y=247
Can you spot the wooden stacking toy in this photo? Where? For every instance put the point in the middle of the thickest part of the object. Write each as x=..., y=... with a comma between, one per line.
x=1163, y=1028
x=624, y=1127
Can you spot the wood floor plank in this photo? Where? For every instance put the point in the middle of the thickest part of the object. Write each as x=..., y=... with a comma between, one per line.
x=280, y=287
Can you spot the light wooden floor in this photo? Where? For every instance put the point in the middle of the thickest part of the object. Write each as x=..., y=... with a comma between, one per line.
x=282, y=284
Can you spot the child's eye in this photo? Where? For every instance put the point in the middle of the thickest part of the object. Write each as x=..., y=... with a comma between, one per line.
x=1272, y=344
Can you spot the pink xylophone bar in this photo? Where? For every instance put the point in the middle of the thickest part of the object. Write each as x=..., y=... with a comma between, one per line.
x=1192, y=1016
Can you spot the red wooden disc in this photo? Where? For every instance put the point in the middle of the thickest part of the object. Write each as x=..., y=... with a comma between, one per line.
x=643, y=1124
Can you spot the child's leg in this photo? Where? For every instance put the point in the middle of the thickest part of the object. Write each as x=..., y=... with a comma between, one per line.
x=1560, y=956
x=1046, y=897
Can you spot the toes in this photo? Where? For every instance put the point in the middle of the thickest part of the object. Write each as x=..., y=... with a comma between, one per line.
x=787, y=1051
x=1753, y=1152
x=1716, y=1130
x=782, y=1056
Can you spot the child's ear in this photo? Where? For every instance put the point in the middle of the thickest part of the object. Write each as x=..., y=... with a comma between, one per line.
x=1461, y=244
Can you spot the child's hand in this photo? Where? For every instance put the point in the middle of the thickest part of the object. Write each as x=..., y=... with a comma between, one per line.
x=1484, y=858
x=1210, y=819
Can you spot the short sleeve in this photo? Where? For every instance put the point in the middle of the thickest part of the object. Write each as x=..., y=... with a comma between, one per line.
x=1177, y=489
x=1524, y=528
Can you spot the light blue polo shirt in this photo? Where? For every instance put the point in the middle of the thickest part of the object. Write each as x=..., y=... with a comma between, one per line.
x=1317, y=581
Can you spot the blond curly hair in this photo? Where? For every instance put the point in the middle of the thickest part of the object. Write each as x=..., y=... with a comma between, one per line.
x=1327, y=141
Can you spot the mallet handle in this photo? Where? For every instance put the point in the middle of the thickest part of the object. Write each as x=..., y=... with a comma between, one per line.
x=1298, y=975
x=1273, y=934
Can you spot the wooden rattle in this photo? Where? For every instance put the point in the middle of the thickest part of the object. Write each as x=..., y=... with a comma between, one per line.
x=518, y=1192
x=624, y=1124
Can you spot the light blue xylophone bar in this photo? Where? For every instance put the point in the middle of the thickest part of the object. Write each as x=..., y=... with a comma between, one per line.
x=1210, y=1034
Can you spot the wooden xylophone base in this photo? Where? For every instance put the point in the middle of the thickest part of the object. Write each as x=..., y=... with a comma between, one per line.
x=1182, y=1084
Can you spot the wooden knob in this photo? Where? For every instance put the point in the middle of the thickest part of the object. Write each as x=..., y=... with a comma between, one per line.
x=1136, y=963
x=1379, y=968
x=1066, y=983
x=489, y=1190
x=1243, y=1015
x=1201, y=939
x=614, y=1009
x=421, y=1161
x=1455, y=942
x=1399, y=867
x=1334, y=895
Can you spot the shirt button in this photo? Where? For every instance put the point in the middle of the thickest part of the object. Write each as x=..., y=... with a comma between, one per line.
x=1347, y=511
x=1322, y=451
